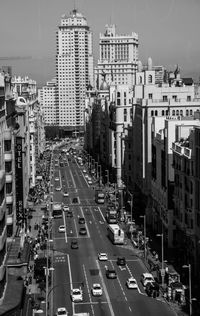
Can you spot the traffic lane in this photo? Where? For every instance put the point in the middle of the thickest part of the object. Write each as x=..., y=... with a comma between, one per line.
x=62, y=284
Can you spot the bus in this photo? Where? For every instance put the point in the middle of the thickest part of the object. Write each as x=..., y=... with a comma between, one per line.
x=57, y=210
x=116, y=234
x=99, y=197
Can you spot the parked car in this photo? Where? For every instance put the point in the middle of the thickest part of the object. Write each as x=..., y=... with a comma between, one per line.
x=61, y=311
x=74, y=244
x=61, y=229
x=75, y=200
x=146, y=278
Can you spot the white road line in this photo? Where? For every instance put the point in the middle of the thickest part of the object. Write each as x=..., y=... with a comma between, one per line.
x=76, y=228
x=70, y=280
x=72, y=177
x=85, y=222
x=105, y=290
x=86, y=281
x=65, y=226
x=101, y=214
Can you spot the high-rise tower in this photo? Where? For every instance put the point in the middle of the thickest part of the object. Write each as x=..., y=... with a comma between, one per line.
x=74, y=70
x=118, y=57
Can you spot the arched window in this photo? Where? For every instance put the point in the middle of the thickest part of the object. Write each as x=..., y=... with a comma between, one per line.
x=181, y=112
x=150, y=79
x=177, y=112
x=187, y=112
x=156, y=113
x=152, y=113
x=191, y=112
x=173, y=112
x=163, y=112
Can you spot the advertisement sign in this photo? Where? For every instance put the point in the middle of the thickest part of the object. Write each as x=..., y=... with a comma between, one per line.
x=19, y=179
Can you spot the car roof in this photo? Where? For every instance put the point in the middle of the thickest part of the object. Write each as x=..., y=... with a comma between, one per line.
x=147, y=275
x=131, y=279
x=96, y=284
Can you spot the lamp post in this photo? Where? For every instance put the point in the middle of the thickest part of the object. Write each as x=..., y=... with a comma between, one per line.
x=96, y=168
x=99, y=175
x=145, y=248
x=107, y=176
x=190, y=286
x=162, y=258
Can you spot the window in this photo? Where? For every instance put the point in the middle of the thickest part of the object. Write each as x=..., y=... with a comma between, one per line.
x=174, y=97
x=189, y=98
x=150, y=79
x=150, y=96
x=165, y=98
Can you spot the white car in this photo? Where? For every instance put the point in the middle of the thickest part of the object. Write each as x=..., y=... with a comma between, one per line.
x=146, y=278
x=58, y=188
x=77, y=295
x=89, y=181
x=102, y=256
x=65, y=194
x=132, y=283
x=84, y=171
x=96, y=289
x=65, y=208
x=61, y=311
x=57, y=179
x=61, y=229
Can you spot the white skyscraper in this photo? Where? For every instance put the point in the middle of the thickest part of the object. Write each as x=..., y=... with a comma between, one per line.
x=74, y=70
x=118, y=57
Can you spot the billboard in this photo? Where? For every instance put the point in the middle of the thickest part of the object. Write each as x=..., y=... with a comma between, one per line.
x=19, y=179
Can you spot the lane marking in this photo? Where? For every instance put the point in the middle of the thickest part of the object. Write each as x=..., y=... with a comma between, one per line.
x=65, y=227
x=70, y=280
x=105, y=290
x=87, y=284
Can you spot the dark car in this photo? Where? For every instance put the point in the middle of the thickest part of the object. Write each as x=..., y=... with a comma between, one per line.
x=111, y=274
x=121, y=261
x=69, y=213
x=74, y=244
x=75, y=200
x=81, y=220
x=152, y=289
x=83, y=231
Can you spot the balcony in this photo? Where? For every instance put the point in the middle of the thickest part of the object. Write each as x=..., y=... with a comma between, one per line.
x=7, y=135
x=3, y=238
x=2, y=209
x=10, y=219
x=9, y=178
x=9, y=199
x=8, y=156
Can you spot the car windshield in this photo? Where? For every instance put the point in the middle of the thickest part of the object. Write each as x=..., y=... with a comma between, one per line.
x=62, y=312
x=96, y=287
x=76, y=292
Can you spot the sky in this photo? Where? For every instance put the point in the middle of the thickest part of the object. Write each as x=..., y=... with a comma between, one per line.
x=168, y=32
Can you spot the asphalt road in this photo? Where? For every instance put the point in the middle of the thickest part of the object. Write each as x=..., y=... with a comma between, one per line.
x=80, y=267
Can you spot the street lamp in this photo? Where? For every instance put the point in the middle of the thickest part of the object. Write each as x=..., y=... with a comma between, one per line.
x=107, y=176
x=99, y=175
x=190, y=286
x=145, y=249
x=162, y=258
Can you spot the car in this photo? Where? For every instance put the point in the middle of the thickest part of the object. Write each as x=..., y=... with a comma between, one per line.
x=90, y=182
x=131, y=283
x=65, y=208
x=69, y=213
x=81, y=220
x=102, y=256
x=111, y=274
x=152, y=289
x=61, y=229
x=146, y=278
x=65, y=193
x=75, y=200
x=61, y=311
x=74, y=244
x=58, y=188
x=57, y=179
x=83, y=231
x=84, y=171
x=96, y=289
x=77, y=295
x=121, y=261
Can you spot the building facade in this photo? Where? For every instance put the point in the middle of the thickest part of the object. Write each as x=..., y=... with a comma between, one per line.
x=118, y=57
x=47, y=98
x=74, y=70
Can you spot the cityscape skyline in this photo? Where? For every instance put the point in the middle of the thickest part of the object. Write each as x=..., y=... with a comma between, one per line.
x=167, y=30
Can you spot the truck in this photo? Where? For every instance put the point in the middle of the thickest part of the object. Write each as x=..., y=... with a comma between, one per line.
x=111, y=215
x=99, y=196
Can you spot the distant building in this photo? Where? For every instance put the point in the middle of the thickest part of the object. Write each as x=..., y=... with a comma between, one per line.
x=74, y=70
x=47, y=98
x=118, y=57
